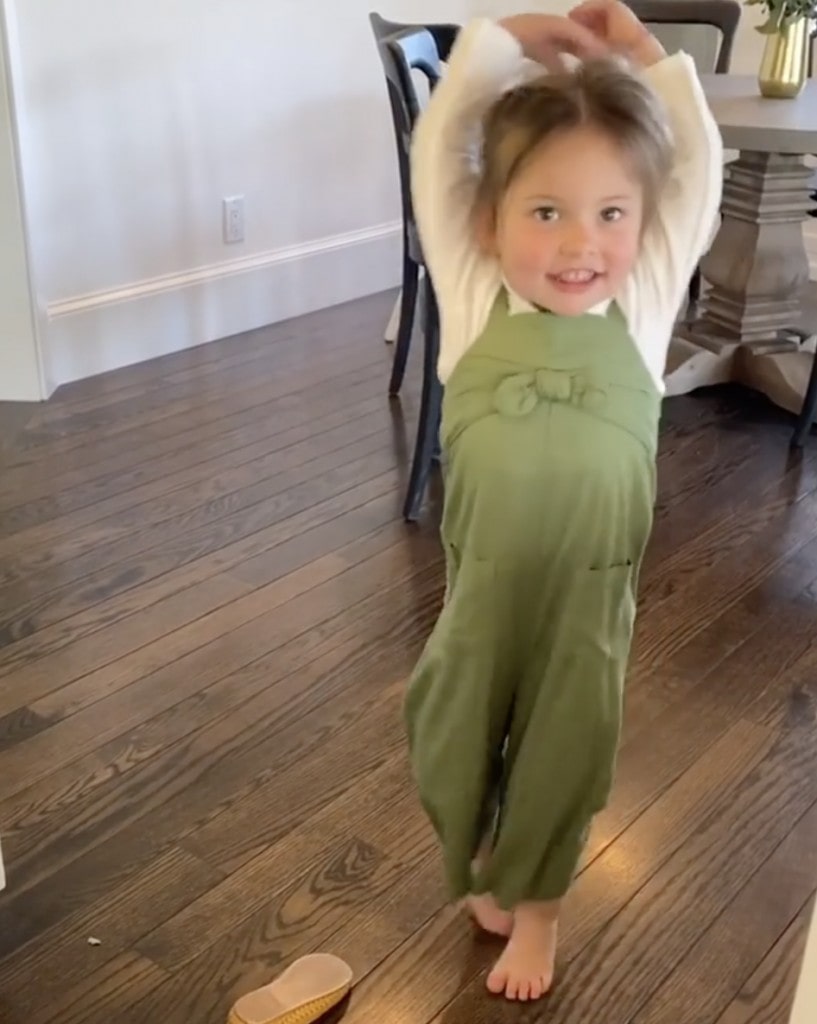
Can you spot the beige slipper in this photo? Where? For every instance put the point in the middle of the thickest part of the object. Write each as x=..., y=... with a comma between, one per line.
x=306, y=990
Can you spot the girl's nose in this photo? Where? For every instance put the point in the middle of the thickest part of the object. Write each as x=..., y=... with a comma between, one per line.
x=577, y=240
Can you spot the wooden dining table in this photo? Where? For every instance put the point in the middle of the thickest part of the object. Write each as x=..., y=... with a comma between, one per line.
x=750, y=328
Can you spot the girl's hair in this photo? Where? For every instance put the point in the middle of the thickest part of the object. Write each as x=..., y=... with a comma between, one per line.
x=603, y=94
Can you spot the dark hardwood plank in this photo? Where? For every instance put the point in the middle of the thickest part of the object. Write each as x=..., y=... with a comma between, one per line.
x=107, y=518
x=766, y=998
x=185, y=510
x=201, y=555
x=107, y=990
x=120, y=465
x=66, y=956
x=298, y=922
x=642, y=944
x=355, y=820
x=14, y=416
x=183, y=407
x=201, y=757
x=202, y=775
x=70, y=890
x=662, y=746
x=128, y=474
x=92, y=639
x=707, y=978
x=231, y=366
x=305, y=915
x=256, y=635
x=252, y=615
x=601, y=891
x=70, y=587
x=716, y=569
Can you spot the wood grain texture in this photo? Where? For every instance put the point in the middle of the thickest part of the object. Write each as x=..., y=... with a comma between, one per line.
x=767, y=996
x=210, y=607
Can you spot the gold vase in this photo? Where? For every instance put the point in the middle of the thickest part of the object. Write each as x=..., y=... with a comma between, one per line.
x=784, y=67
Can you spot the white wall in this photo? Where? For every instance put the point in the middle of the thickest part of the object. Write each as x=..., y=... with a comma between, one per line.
x=137, y=118
x=19, y=355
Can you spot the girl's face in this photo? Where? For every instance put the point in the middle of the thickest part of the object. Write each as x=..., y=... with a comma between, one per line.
x=568, y=229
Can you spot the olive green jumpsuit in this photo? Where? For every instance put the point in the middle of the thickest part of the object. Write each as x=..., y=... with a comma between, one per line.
x=514, y=709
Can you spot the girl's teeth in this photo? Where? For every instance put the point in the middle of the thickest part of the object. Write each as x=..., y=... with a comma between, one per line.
x=577, y=276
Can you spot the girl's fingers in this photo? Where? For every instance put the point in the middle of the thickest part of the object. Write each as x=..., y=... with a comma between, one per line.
x=579, y=40
x=552, y=60
x=594, y=10
x=591, y=20
x=591, y=15
x=544, y=36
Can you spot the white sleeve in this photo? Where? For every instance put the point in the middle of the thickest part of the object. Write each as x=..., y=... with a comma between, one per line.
x=684, y=224
x=486, y=61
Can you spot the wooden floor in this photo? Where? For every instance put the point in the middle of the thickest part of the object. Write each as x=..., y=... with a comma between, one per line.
x=202, y=779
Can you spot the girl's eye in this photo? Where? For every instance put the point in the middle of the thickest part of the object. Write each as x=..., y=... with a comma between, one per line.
x=545, y=213
x=612, y=213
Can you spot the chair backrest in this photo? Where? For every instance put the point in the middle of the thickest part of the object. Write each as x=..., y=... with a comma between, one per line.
x=445, y=35
x=722, y=15
x=404, y=50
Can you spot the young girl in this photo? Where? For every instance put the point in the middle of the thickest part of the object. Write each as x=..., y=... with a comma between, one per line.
x=562, y=211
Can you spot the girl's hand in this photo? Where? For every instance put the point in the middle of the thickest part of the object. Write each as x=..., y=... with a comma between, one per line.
x=613, y=23
x=545, y=38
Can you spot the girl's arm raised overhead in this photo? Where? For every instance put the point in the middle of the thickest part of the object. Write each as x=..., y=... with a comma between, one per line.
x=485, y=61
x=687, y=214
x=684, y=222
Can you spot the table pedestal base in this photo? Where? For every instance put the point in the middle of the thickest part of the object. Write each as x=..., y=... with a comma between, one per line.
x=782, y=374
x=756, y=270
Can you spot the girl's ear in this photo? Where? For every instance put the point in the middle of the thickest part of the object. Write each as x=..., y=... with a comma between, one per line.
x=485, y=229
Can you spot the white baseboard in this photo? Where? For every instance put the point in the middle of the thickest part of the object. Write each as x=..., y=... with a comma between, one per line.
x=92, y=334
x=810, y=237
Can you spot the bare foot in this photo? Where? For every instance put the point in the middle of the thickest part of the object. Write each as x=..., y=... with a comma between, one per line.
x=525, y=970
x=489, y=915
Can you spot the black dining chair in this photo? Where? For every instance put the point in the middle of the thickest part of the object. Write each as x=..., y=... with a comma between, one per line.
x=410, y=50
x=722, y=15
x=429, y=52
x=812, y=47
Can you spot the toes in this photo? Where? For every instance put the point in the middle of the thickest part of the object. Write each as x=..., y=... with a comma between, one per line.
x=517, y=985
x=515, y=988
x=497, y=981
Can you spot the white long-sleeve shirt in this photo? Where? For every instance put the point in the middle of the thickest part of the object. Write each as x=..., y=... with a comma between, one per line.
x=485, y=62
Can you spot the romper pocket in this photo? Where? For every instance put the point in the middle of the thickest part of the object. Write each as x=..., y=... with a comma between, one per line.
x=611, y=605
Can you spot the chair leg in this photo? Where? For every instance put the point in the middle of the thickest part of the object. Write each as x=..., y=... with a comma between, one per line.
x=408, y=305
x=394, y=321
x=428, y=426
x=694, y=295
x=809, y=410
